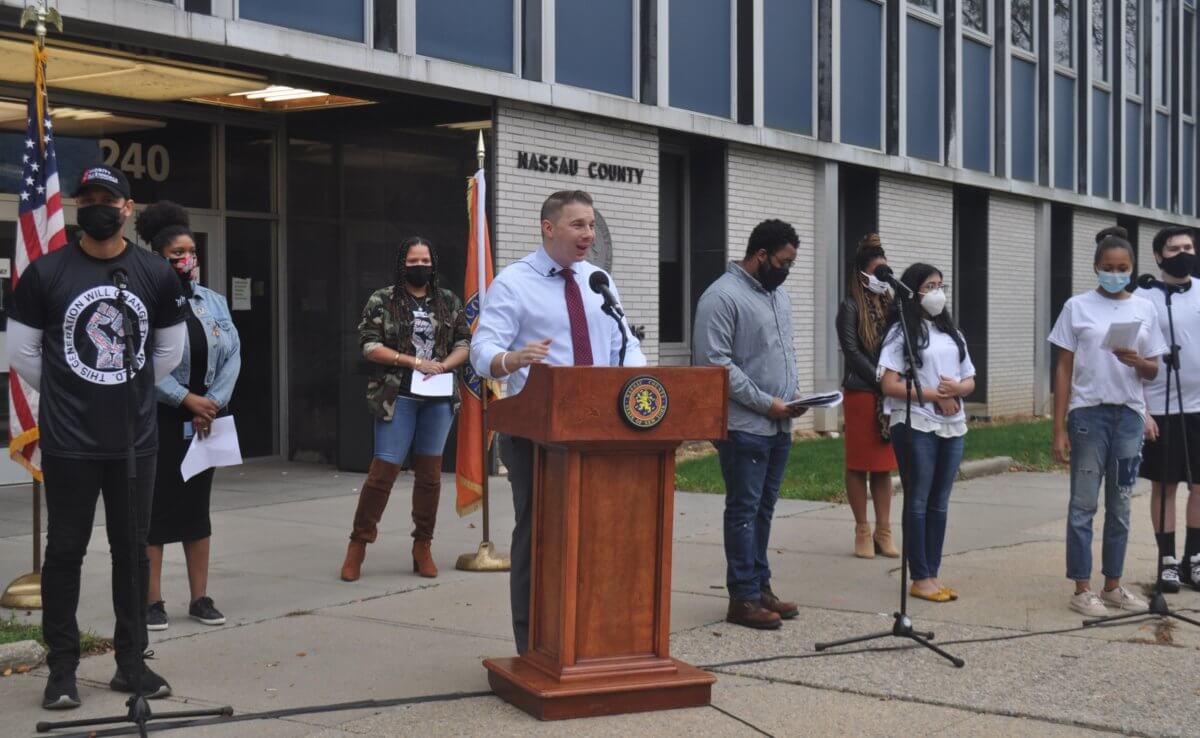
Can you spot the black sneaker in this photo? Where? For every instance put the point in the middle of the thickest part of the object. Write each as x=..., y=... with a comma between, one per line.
x=61, y=693
x=156, y=616
x=1168, y=575
x=202, y=609
x=153, y=686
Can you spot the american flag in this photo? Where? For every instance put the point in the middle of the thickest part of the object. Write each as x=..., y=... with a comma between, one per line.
x=40, y=230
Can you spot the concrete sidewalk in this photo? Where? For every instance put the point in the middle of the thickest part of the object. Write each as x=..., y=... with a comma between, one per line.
x=297, y=635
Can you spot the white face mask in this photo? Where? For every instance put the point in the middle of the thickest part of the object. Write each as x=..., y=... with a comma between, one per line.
x=934, y=302
x=875, y=285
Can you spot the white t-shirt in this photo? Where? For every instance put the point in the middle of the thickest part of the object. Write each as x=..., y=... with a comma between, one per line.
x=1099, y=378
x=939, y=359
x=1186, y=307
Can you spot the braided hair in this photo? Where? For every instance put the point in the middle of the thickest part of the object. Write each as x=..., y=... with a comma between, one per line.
x=161, y=223
x=869, y=249
x=441, y=310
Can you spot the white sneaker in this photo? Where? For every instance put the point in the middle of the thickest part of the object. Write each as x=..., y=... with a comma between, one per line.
x=1123, y=599
x=1168, y=575
x=1194, y=574
x=1088, y=603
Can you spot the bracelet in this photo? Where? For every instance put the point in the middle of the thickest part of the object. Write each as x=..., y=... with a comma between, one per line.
x=503, y=365
x=396, y=360
x=416, y=362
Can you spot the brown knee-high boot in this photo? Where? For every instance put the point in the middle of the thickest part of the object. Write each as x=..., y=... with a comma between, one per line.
x=372, y=499
x=427, y=489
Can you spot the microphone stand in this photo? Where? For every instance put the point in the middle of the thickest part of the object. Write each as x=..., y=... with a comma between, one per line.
x=615, y=313
x=1158, y=603
x=139, y=709
x=902, y=625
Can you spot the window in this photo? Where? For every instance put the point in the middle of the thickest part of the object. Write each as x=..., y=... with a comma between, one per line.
x=701, y=56
x=974, y=13
x=1100, y=40
x=1063, y=47
x=385, y=25
x=478, y=32
x=1162, y=76
x=595, y=45
x=930, y=5
x=1022, y=25
x=788, y=71
x=340, y=20
x=1189, y=58
x=1133, y=48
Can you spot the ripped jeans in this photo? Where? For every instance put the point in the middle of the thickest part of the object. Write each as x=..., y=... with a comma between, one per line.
x=1106, y=443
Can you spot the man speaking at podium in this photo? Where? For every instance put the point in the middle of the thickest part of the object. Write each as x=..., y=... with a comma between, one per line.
x=540, y=310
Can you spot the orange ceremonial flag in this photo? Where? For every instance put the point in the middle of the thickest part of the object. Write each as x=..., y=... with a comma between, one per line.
x=472, y=448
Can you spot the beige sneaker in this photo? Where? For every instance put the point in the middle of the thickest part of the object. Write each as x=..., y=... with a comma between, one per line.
x=1088, y=603
x=1123, y=599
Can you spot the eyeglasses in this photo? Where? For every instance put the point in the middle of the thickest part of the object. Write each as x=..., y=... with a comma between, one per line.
x=935, y=288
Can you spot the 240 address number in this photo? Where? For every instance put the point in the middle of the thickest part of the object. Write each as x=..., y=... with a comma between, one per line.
x=153, y=161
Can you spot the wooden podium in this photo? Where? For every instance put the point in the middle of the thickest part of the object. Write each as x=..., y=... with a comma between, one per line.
x=603, y=489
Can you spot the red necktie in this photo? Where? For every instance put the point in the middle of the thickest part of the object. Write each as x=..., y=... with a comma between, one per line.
x=581, y=342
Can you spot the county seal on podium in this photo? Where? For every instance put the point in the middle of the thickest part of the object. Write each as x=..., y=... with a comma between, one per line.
x=643, y=402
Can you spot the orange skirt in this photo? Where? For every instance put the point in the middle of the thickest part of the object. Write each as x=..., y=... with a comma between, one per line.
x=865, y=450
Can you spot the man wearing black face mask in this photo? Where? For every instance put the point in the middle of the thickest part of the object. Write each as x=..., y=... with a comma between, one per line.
x=744, y=323
x=66, y=337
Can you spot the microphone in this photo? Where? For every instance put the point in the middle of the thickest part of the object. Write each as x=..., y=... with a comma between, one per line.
x=884, y=273
x=120, y=279
x=599, y=284
x=1150, y=282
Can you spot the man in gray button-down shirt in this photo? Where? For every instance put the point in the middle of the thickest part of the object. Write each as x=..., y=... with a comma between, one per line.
x=744, y=323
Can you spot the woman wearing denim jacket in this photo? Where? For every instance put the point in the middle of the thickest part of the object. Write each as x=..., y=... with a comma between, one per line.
x=189, y=399
x=410, y=330
x=939, y=422
x=1099, y=418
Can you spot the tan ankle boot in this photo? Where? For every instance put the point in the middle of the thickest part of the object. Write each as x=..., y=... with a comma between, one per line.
x=427, y=491
x=863, y=548
x=883, y=542
x=352, y=566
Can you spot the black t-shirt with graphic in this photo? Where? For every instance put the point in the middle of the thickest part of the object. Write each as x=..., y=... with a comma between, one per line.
x=421, y=345
x=70, y=297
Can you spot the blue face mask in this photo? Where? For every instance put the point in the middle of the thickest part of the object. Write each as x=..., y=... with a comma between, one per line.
x=1113, y=282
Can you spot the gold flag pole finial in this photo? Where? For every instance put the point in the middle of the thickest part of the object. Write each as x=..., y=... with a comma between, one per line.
x=39, y=14
x=480, y=151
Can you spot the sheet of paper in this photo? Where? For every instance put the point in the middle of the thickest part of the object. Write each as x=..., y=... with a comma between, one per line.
x=220, y=448
x=817, y=399
x=1121, y=335
x=240, y=299
x=433, y=385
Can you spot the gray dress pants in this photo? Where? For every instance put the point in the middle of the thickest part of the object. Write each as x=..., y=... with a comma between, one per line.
x=517, y=454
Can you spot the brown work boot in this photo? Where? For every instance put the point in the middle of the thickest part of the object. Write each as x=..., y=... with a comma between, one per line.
x=427, y=490
x=883, y=542
x=372, y=499
x=752, y=614
x=785, y=610
x=352, y=566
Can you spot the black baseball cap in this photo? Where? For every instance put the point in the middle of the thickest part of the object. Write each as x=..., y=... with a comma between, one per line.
x=101, y=176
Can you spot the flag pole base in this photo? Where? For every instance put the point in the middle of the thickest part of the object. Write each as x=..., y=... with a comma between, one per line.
x=23, y=593
x=485, y=559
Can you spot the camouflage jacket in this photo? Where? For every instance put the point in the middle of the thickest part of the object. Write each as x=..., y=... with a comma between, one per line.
x=388, y=322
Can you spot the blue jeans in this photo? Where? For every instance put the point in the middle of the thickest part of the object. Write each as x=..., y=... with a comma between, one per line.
x=927, y=482
x=396, y=437
x=1106, y=443
x=752, y=466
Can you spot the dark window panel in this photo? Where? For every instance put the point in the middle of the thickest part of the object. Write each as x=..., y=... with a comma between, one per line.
x=788, y=35
x=385, y=25
x=1133, y=153
x=198, y=6
x=249, y=168
x=862, y=76
x=1162, y=73
x=974, y=15
x=1100, y=40
x=1021, y=32
x=531, y=39
x=1189, y=169
x=1162, y=161
x=340, y=20
x=1133, y=48
x=1064, y=132
x=700, y=63
x=1024, y=119
x=923, y=111
x=1063, y=23
x=1101, y=145
x=594, y=45
x=929, y=5
x=977, y=107
x=671, y=248
x=478, y=32
x=1189, y=59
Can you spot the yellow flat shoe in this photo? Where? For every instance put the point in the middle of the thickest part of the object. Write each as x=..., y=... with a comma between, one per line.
x=952, y=593
x=939, y=596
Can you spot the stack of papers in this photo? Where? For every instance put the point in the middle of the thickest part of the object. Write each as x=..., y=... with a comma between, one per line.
x=1121, y=335
x=817, y=399
x=220, y=448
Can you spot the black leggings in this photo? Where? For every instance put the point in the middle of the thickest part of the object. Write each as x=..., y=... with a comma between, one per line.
x=72, y=486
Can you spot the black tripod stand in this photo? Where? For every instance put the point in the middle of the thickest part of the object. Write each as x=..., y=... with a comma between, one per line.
x=1158, y=603
x=139, y=709
x=902, y=626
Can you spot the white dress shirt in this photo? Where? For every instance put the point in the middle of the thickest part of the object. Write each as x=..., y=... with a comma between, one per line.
x=527, y=302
